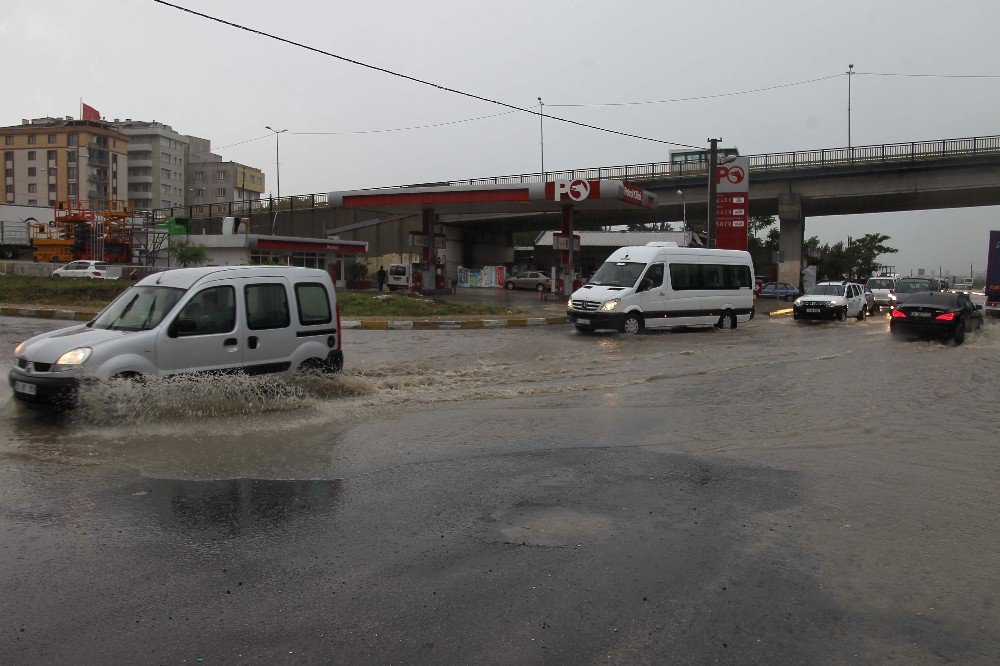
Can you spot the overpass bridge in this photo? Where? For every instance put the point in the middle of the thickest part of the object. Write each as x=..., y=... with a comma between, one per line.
x=794, y=185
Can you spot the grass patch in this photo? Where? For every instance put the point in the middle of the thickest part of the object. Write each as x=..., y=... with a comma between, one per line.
x=84, y=293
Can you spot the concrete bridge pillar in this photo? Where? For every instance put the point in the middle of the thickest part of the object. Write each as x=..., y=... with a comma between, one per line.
x=792, y=226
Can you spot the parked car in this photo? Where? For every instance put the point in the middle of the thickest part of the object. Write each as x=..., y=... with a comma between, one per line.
x=831, y=300
x=936, y=314
x=250, y=319
x=781, y=290
x=536, y=280
x=85, y=268
x=882, y=288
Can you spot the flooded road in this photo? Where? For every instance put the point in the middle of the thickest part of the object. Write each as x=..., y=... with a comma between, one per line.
x=782, y=492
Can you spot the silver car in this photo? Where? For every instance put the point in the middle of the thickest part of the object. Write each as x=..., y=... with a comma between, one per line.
x=536, y=280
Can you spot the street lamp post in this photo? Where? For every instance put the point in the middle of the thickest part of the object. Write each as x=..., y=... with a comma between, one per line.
x=684, y=208
x=541, y=133
x=850, y=75
x=277, y=155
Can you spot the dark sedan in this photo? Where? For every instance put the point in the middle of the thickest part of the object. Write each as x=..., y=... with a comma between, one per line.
x=936, y=314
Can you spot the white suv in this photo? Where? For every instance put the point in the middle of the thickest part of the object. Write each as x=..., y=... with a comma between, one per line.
x=831, y=300
x=85, y=268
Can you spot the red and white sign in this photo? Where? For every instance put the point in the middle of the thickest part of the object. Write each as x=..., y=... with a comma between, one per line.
x=418, y=239
x=560, y=241
x=732, y=204
x=574, y=190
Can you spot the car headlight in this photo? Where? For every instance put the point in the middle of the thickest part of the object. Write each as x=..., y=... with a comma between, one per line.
x=892, y=297
x=72, y=358
x=18, y=348
x=569, y=304
x=831, y=304
x=611, y=305
x=798, y=301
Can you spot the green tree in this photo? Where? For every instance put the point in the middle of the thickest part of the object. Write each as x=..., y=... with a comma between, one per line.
x=185, y=252
x=759, y=223
x=864, y=252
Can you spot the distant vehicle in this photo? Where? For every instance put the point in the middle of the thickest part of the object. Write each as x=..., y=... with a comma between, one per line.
x=777, y=290
x=400, y=276
x=681, y=157
x=536, y=280
x=914, y=285
x=947, y=315
x=251, y=319
x=992, y=288
x=882, y=288
x=965, y=284
x=86, y=268
x=14, y=235
x=831, y=300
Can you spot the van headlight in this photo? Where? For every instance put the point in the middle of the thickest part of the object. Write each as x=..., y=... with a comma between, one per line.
x=569, y=304
x=611, y=305
x=19, y=347
x=72, y=358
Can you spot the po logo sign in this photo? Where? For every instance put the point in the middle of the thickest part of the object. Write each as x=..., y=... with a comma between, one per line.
x=575, y=190
x=734, y=175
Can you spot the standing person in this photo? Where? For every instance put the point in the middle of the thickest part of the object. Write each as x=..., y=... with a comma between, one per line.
x=380, y=278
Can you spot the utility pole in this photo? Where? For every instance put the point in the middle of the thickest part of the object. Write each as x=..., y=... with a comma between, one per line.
x=713, y=163
x=850, y=75
x=541, y=134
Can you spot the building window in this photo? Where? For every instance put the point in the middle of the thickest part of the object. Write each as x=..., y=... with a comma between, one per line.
x=72, y=189
x=52, y=138
x=72, y=140
x=8, y=155
x=50, y=155
x=8, y=141
x=72, y=172
x=164, y=157
x=9, y=172
x=32, y=188
x=198, y=192
x=32, y=139
x=220, y=175
x=32, y=171
x=165, y=174
x=52, y=171
x=221, y=193
x=10, y=189
x=165, y=189
x=52, y=188
x=71, y=155
x=31, y=156
x=199, y=175
x=32, y=202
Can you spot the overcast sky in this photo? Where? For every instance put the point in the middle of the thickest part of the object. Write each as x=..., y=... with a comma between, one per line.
x=142, y=60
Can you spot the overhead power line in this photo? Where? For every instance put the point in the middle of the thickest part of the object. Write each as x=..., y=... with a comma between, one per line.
x=414, y=79
x=701, y=97
x=931, y=76
x=404, y=129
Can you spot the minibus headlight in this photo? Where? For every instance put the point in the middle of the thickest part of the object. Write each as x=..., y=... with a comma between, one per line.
x=611, y=305
x=18, y=348
x=569, y=304
x=72, y=358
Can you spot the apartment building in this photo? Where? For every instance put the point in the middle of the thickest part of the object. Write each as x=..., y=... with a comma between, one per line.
x=157, y=163
x=53, y=159
x=212, y=180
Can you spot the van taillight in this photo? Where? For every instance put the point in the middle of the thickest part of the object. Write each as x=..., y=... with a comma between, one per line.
x=898, y=314
x=947, y=316
x=339, y=333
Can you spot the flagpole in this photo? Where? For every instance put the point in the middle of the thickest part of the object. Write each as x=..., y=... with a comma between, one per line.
x=81, y=109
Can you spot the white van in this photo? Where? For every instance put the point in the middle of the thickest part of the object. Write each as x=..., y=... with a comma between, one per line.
x=252, y=319
x=660, y=285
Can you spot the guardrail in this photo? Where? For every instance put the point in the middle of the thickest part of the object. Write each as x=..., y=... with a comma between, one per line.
x=886, y=153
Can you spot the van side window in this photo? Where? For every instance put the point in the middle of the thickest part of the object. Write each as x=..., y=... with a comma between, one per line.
x=314, y=303
x=736, y=277
x=684, y=277
x=212, y=310
x=267, y=306
x=652, y=278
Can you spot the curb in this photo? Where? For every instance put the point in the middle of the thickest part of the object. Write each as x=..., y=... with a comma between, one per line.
x=365, y=324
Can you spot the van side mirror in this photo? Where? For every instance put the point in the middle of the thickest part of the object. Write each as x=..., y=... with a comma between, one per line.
x=182, y=327
x=979, y=307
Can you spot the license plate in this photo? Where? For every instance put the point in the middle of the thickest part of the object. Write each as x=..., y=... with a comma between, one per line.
x=582, y=320
x=24, y=387
x=812, y=310
x=920, y=314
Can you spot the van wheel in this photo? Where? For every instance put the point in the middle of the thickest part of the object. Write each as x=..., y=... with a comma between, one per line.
x=132, y=377
x=8, y=253
x=861, y=313
x=633, y=324
x=842, y=314
x=314, y=366
x=392, y=287
x=727, y=321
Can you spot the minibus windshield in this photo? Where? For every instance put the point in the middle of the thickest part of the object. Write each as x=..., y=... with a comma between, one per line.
x=618, y=274
x=139, y=308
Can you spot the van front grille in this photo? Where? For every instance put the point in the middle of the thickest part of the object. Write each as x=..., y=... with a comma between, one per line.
x=587, y=306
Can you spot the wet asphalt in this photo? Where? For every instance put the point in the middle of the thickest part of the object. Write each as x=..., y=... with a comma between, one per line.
x=773, y=494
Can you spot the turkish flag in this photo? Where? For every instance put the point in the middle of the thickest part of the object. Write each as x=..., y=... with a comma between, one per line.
x=90, y=113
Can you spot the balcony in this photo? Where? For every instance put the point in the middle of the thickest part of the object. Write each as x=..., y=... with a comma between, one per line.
x=141, y=163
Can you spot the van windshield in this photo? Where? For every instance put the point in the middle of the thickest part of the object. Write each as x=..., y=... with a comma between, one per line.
x=139, y=309
x=881, y=283
x=618, y=273
x=396, y=269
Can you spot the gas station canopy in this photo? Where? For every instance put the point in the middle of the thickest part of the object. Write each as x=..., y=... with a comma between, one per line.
x=582, y=195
